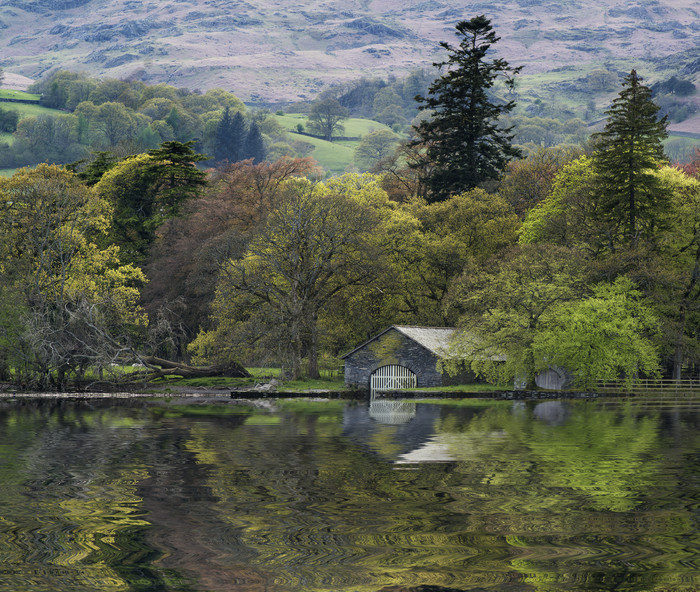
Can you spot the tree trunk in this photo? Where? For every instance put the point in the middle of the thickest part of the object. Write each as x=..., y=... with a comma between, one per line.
x=313, y=349
x=160, y=367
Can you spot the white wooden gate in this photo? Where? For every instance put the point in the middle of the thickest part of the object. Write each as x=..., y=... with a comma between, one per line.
x=392, y=378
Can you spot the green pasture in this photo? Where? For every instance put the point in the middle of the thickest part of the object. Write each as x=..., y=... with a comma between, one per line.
x=6, y=93
x=29, y=110
x=332, y=156
x=336, y=157
x=354, y=127
x=681, y=148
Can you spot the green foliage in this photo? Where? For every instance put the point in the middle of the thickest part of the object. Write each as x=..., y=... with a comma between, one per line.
x=532, y=133
x=446, y=237
x=78, y=304
x=529, y=181
x=313, y=245
x=8, y=120
x=606, y=335
x=125, y=117
x=147, y=189
x=463, y=140
x=567, y=217
x=674, y=85
x=504, y=304
x=44, y=137
x=375, y=147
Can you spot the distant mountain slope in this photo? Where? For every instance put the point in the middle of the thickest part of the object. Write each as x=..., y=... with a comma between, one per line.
x=286, y=50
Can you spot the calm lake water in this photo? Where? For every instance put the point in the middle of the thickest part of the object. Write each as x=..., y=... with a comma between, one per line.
x=312, y=496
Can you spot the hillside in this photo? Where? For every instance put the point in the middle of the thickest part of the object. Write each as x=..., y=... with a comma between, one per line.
x=271, y=52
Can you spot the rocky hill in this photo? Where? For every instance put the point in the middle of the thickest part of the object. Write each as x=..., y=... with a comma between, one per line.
x=267, y=51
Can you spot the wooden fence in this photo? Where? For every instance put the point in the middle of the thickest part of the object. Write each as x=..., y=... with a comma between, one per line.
x=661, y=386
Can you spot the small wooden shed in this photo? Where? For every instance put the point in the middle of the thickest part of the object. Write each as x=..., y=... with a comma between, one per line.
x=397, y=358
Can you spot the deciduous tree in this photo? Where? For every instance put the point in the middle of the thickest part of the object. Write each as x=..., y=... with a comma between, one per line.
x=375, y=147
x=504, y=303
x=465, y=229
x=73, y=304
x=314, y=244
x=603, y=336
x=184, y=262
x=326, y=118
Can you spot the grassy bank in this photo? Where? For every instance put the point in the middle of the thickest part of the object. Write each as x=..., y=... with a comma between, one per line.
x=328, y=381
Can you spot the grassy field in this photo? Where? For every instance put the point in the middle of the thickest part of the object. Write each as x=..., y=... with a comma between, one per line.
x=6, y=93
x=332, y=156
x=354, y=127
x=27, y=110
x=336, y=157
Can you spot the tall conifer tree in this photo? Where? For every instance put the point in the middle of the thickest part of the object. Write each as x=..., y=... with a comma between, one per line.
x=254, y=145
x=230, y=137
x=629, y=148
x=464, y=143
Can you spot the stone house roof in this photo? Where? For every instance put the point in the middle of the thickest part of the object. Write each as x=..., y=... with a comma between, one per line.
x=435, y=339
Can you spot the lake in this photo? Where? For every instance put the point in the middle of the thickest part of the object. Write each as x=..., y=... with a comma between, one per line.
x=310, y=495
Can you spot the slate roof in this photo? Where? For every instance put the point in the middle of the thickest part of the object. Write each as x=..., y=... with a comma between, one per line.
x=434, y=339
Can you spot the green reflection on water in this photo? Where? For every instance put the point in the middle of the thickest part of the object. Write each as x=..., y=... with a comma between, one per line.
x=307, y=496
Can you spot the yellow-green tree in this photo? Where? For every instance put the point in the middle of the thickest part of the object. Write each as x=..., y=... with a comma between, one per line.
x=447, y=235
x=504, y=303
x=67, y=304
x=605, y=335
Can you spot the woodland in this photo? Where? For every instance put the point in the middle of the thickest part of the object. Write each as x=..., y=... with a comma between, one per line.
x=179, y=226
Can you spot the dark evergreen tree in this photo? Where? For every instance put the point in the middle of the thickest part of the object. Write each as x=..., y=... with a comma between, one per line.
x=628, y=149
x=463, y=141
x=146, y=190
x=174, y=174
x=174, y=120
x=254, y=145
x=229, y=138
x=239, y=130
x=90, y=172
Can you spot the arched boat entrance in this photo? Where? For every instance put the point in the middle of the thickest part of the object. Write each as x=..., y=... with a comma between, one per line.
x=392, y=378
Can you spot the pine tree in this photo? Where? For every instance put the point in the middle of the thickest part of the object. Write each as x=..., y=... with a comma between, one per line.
x=239, y=131
x=464, y=143
x=222, y=136
x=254, y=146
x=229, y=138
x=629, y=148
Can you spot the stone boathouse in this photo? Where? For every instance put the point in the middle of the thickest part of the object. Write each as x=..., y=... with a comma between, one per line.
x=397, y=358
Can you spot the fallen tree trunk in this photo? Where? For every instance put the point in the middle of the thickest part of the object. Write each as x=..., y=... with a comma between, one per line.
x=159, y=367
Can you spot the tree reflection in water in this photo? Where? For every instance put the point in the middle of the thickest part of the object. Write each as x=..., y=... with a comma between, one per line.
x=100, y=495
